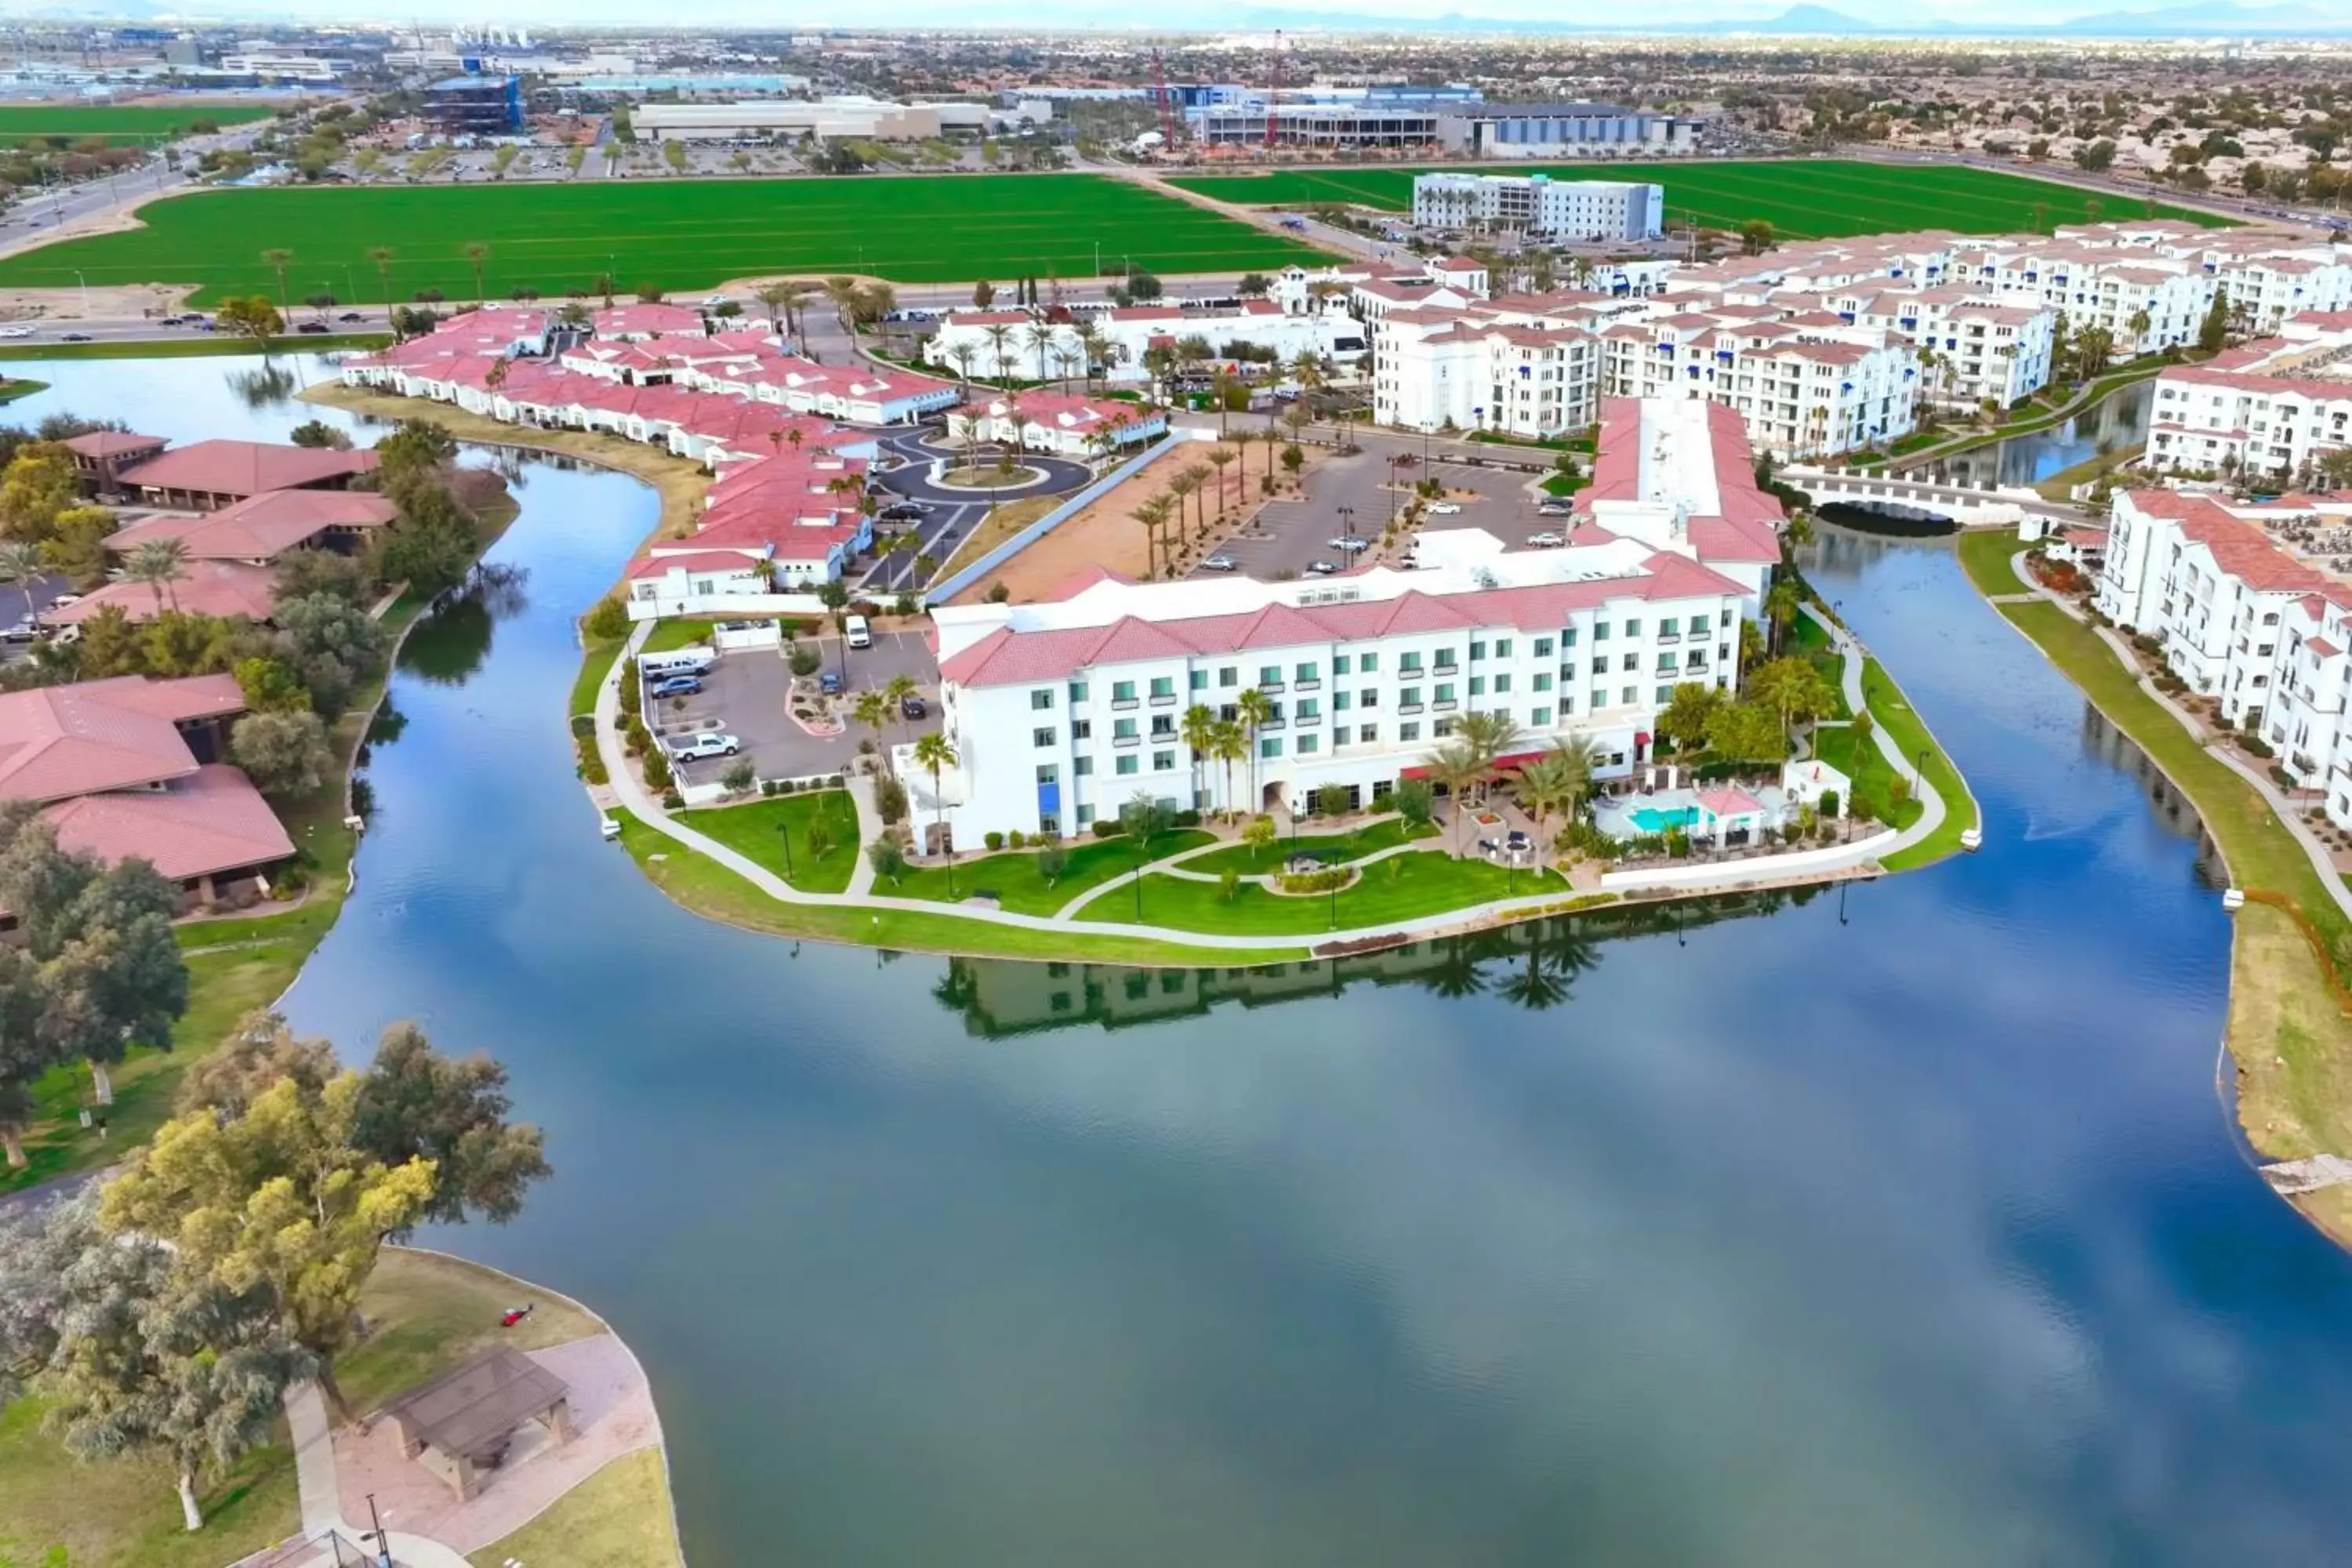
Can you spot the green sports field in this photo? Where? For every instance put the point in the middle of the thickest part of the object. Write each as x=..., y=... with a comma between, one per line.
x=1802, y=198
x=680, y=235
x=128, y=125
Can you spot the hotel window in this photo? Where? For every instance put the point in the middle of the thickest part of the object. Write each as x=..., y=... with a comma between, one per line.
x=1307, y=672
x=1477, y=686
x=1599, y=701
x=1163, y=761
x=1633, y=627
x=1086, y=816
x=1630, y=696
x=1042, y=699
x=1368, y=698
x=1666, y=695
x=1125, y=764
x=1599, y=632
x=1567, y=704
x=1078, y=691
x=1083, y=768
x=1341, y=702
x=1539, y=718
x=1049, y=773
x=1441, y=728
x=1044, y=737
x=1368, y=662
x=1446, y=691
x=1368, y=733
x=1409, y=697
x=1162, y=686
x=1670, y=627
x=1269, y=746
x=1666, y=663
x=1408, y=663
x=1408, y=731
x=1082, y=729
x=1122, y=691
x=1568, y=636
x=1163, y=725
x=1122, y=729
x=1229, y=675
x=1308, y=743
x=1698, y=626
x=1543, y=648
x=1339, y=664
x=1309, y=710
x=1199, y=681
x=1445, y=659
x=1477, y=651
x=1502, y=685
x=1631, y=661
x=1543, y=681
x=1502, y=648
x=1269, y=675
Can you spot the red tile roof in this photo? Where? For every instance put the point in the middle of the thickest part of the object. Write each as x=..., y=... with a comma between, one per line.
x=209, y=820
x=262, y=527
x=246, y=468
x=205, y=587
x=60, y=741
x=114, y=443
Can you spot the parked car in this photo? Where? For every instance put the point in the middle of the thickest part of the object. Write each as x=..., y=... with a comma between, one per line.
x=679, y=686
x=1349, y=543
x=15, y=331
x=1554, y=508
x=913, y=708
x=694, y=748
x=1546, y=541
x=906, y=509
x=1445, y=509
x=829, y=683
x=1220, y=564
x=62, y=600
x=858, y=632
x=25, y=630
x=1321, y=568
x=678, y=662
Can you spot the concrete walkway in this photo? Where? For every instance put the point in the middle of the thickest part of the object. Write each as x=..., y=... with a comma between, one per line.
x=2322, y=859
x=322, y=1513
x=635, y=799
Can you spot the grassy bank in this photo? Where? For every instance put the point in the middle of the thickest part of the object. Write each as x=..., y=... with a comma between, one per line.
x=756, y=830
x=1908, y=733
x=617, y=1517
x=194, y=348
x=2289, y=1032
x=1986, y=555
x=1402, y=888
x=700, y=884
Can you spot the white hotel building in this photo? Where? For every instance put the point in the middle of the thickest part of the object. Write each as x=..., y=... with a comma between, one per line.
x=2245, y=620
x=1063, y=711
x=2267, y=410
x=1577, y=210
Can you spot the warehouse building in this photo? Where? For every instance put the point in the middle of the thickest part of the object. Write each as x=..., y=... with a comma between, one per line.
x=868, y=119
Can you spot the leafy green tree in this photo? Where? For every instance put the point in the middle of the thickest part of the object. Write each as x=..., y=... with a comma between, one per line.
x=1684, y=719
x=1259, y=832
x=77, y=544
x=330, y=643
x=1792, y=688
x=608, y=622
x=888, y=860
x=1746, y=732
x=2214, y=331
x=318, y=433
x=417, y=1104
x=416, y=448
x=285, y=754
x=251, y=316
x=41, y=483
x=1413, y=800
x=279, y=1200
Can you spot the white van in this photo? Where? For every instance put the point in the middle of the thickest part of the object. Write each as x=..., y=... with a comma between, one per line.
x=855, y=629
x=681, y=661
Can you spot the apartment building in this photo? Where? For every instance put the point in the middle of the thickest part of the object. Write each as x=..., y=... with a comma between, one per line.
x=1523, y=364
x=1293, y=317
x=1063, y=711
x=1580, y=210
x=2246, y=617
x=2269, y=410
x=1058, y=422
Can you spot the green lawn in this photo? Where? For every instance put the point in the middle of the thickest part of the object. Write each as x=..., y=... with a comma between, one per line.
x=1332, y=848
x=1985, y=555
x=219, y=345
x=677, y=632
x=1801, y=198
x=1012, y=875
x=752, y=831
x=594, y=665
x=1566, y=484
x=1397, y=888
x=677, y=234
x=15, y=388
x=1810, y=640
x=617, y=1517
x=704, y=885
x=1903, y=726
x=126, y=125
x=429, y=1313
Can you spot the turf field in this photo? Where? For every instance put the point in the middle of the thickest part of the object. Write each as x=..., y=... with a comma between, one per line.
x=1803, y=198
x=680, y=235
x=131, y=124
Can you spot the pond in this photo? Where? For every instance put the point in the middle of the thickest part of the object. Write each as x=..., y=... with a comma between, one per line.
x=1897, y=1224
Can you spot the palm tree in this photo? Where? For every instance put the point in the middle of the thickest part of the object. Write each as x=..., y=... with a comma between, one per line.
x=275, y=259
x=1545, y=788
x=961, y=356
x=1199, y=732
x=998, y=334
x=1255, y=707
x=1067, y=359
x=1221, y=457
x=1489, y=736
x=1579, y=757
x=1199, y=474
x=2139, y=324
x=382, y=255
x=1228, y=745
x=1037, y=338
x=159, y=562
x=1093, y=344
x=935, y=753
x=901, y=687
x=1181, y=487
x=873, y=712
x=1153, y=515
x=1457, y=766
x=476, y=254
x=1781, y=605
x=22, y=565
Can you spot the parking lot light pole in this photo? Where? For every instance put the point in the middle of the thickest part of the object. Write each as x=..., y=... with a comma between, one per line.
x=785, y=831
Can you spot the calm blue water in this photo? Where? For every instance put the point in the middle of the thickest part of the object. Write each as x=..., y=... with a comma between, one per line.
x=1906, y=1230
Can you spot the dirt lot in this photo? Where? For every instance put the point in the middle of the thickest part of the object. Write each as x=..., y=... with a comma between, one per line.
x=1106, y=534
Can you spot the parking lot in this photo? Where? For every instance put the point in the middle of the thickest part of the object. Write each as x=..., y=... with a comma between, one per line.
x=1297, y=533
x=746, y=696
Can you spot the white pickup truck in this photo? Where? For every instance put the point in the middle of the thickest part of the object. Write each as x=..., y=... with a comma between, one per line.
x=694, y=748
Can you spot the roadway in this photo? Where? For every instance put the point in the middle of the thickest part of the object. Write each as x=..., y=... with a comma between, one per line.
x=951, y=512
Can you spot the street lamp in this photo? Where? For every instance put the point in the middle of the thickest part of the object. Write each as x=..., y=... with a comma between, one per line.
x=785, y=831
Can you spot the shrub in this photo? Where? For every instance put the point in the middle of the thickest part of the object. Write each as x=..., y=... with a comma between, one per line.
x=998, y=594
x=2259, y=747
x=739, y=776
x=657, y=776
x=672, y=800
x=804, y=661
x=632, y=690
x=1315, y=881
x=1229, y=887
x=591, y=762
x=608, y=622
x=1015, y=838
x=1414, y=801
x=1185, y=819
x=889, y=862
x=993, y=839
x=1051, y=860
x=1829, y=802
x=890, y=800
x=768, y=788
x=1109, y=827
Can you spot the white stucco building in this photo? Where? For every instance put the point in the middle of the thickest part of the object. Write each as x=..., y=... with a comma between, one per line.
x=1061, y=711
x=2268, y=410
x=1574, y=210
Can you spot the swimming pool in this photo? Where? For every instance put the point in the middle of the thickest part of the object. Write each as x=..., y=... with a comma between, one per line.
x=1650, y=819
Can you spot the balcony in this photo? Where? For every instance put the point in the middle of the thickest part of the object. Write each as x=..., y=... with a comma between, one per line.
x=1670, y=637
x=1124, y=741
x=1408, y=708
x=1306, y=686
x=1446, y=707
x=1271, y=725
x=1271, y=688
x=1163, y=699
x=1123, y=704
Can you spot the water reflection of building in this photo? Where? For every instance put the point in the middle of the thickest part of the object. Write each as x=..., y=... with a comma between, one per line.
x=1535, y=963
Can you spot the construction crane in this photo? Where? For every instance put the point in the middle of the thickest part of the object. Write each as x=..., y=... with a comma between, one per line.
x=1165, y=100
x=1274, y=92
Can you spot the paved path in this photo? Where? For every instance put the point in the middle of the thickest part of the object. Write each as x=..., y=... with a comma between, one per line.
x=2322, y=859
x=323, y=1515
x=634, y=798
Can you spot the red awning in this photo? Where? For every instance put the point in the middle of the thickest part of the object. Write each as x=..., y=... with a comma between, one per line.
x=1641, y=737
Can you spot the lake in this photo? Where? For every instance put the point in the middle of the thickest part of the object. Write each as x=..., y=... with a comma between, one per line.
x=1901, y=1226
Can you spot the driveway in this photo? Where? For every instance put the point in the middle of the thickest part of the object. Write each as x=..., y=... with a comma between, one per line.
x=951, y=512
x=747, y=693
